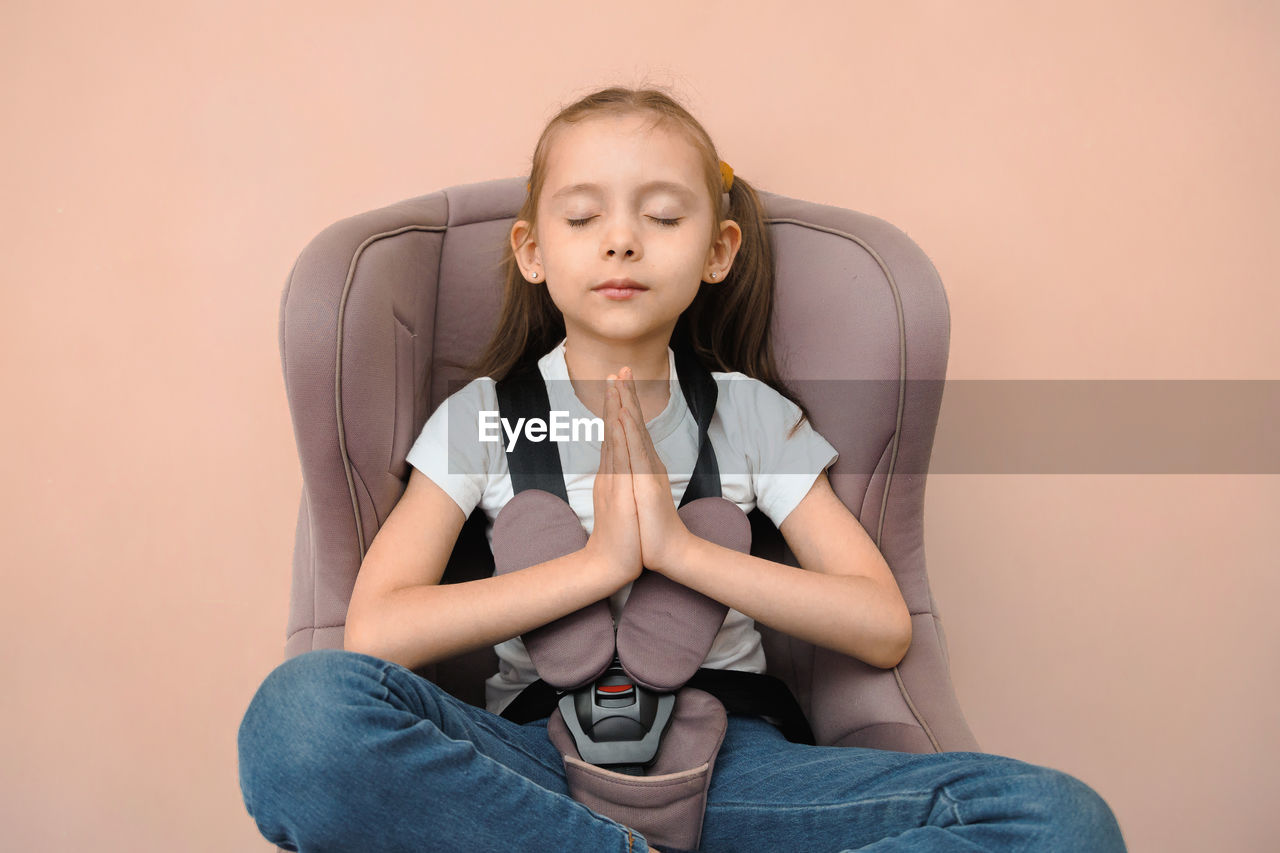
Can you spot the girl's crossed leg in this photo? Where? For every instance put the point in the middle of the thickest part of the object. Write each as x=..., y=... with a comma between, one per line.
x=342, y=751
x=769, y=793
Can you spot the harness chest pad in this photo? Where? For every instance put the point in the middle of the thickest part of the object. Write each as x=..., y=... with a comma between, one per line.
x=533, y=527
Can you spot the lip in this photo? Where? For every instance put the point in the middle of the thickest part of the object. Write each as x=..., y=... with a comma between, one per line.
x=619, y=288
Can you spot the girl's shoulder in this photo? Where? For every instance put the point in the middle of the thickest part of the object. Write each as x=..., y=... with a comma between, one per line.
x=448, y=449
x=741, y=393
x=454, y=421
x=479, y=393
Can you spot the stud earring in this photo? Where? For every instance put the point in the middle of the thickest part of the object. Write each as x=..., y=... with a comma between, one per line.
x=714, y=274
x=533, y=275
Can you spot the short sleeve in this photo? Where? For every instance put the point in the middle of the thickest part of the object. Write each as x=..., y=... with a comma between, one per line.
x=783, y=466
x=450, y=453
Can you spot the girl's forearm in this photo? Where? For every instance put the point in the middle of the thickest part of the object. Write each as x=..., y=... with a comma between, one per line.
x=417, y=625
x=849, y=614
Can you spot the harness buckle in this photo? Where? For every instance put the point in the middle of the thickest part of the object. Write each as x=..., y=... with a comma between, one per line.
x=617, y=723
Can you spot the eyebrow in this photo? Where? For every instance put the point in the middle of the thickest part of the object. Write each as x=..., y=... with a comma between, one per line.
x=645, y=188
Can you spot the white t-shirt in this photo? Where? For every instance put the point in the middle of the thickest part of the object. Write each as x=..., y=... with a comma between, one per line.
x=759, y=465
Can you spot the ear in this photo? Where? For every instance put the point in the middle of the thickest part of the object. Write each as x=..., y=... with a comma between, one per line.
x=524, y=246
x=722, y=252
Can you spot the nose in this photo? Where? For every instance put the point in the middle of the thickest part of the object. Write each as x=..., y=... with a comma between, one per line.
x=620, y=239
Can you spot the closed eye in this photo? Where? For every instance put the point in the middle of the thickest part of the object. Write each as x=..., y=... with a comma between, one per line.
x=666, y=223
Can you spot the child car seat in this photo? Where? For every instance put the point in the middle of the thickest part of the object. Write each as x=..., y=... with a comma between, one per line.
x=382, y=310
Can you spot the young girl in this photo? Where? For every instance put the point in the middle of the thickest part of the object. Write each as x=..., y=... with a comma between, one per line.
x=635, y=236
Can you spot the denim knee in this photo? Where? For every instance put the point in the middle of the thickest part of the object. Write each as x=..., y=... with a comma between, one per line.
x=294, y=737
x=1075, y=816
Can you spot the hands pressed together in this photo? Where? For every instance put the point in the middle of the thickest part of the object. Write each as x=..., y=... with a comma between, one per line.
x=636, y=523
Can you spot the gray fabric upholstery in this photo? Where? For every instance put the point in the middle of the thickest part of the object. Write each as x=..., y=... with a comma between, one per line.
x=381, y=310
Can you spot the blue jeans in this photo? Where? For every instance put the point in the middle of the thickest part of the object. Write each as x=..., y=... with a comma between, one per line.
x=341, y=751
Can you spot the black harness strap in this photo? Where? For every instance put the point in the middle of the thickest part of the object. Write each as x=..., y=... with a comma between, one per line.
x=700, y=393
x=535, y=464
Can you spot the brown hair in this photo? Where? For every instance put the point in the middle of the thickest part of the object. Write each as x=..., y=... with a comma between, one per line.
x=726, y=325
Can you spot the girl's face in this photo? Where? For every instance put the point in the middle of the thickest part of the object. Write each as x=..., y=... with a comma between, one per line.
x=623, y=201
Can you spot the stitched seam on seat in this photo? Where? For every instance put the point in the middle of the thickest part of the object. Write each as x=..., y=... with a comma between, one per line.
x=915, y=712
x=897, y=427
x=902, y=347
x=337, y=373
x=316, y=628
x=311, y=560
x=395, y=367
x=358, y=480
x=305, y=498
x=880, y=460
x=876, y=726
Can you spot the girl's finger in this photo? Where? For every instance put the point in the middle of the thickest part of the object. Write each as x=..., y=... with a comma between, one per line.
x=635, y=443
x=611, y=413
x=617, y=441
x=606, y=454
x=608, y=445
x=621, y=458
x=633, y=397
x=638, y=435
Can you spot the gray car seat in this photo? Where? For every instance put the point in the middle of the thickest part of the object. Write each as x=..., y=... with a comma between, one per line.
x=382, y=310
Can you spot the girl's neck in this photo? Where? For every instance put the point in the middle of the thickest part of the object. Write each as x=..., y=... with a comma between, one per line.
x=590, y=362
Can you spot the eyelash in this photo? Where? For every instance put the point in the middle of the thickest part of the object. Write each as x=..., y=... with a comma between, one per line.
x=582, y=223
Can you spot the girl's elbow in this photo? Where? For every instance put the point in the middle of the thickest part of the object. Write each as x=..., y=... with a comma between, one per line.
x=357, y=635
x=353, y=640
x=900, y=649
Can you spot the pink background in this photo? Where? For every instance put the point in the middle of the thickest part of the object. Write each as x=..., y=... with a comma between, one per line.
x=1096, y=182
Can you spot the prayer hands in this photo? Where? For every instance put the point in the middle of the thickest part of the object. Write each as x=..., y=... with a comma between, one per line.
x=662, y=532
x=615, y=535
